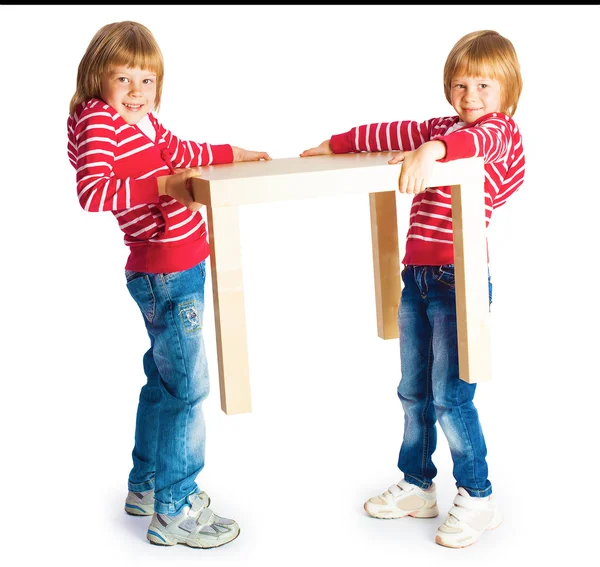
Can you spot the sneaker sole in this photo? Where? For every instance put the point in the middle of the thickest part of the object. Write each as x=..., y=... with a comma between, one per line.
x=393, y=515
x=135, y=510
x=156, y=537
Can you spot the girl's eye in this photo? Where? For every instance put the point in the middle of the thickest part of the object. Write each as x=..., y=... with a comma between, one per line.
x=148, y=81
x=122, y=79
x=483, y=85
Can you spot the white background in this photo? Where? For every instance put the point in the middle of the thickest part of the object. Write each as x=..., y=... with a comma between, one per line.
x=326, y=424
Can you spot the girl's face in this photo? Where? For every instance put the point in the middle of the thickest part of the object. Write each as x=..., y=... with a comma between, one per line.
x=130, y=91
x=472, y=97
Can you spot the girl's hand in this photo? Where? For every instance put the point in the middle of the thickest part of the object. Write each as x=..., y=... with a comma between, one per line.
x=322, y=149
x=414, y=172
x=417, y=166
x=179, y=186
x=239, y=154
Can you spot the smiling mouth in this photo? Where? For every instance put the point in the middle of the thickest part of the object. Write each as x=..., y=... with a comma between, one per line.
x=132, y=106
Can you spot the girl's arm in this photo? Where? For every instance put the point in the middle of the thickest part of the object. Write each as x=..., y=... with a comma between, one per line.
x=406, y=135
x=381, y=137
x=489, y=137
x=186, y=154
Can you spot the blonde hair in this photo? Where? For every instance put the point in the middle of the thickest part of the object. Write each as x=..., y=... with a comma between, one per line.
x=120, y=43
x=486, y=54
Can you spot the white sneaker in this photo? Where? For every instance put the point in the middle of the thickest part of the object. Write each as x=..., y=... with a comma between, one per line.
x=403, y=499
x=142, y=503
x=468, y=518
x=196, y=526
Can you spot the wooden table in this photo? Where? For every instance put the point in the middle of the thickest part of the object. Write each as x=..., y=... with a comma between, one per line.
x=225, y=188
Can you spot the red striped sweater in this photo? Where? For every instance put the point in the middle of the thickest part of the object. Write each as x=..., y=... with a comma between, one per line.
x=495, y=137
x=117, y=166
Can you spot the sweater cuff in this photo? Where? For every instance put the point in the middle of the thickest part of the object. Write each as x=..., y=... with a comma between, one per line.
x=452, y=149
x=341, y=143
x=222, y=154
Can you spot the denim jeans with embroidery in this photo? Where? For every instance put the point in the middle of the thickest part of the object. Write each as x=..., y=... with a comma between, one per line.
x=169, y=433
x=430, y=388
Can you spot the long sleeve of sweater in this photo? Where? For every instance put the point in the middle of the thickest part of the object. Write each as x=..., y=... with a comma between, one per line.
x=186, y=153
x=490, y=137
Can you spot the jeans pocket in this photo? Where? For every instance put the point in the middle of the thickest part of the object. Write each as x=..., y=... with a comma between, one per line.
x=445, y=275
x=140, y=289
x=169, y=276
x=180, y=286
x=131, y=275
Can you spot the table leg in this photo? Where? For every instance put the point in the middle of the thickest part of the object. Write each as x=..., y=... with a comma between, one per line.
x=472, y=294
x=230, y=314
x=386, y=262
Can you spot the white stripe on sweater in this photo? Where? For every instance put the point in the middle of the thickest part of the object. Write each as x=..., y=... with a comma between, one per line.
x=428, y=239
x=175, y=238
x=135, y=151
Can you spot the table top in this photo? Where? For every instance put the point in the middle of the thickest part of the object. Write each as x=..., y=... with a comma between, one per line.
x=243, y=183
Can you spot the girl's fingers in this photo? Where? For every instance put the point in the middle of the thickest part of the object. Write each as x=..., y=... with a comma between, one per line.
x=397, y=158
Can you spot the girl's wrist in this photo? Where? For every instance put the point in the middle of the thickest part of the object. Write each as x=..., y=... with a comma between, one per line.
x=162, y=185
x=435, y=149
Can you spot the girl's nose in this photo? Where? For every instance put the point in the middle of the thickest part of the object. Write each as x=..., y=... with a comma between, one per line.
x=471, y=93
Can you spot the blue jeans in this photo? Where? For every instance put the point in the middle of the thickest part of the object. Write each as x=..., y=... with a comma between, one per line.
x=169, y=433
x=430, y=388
